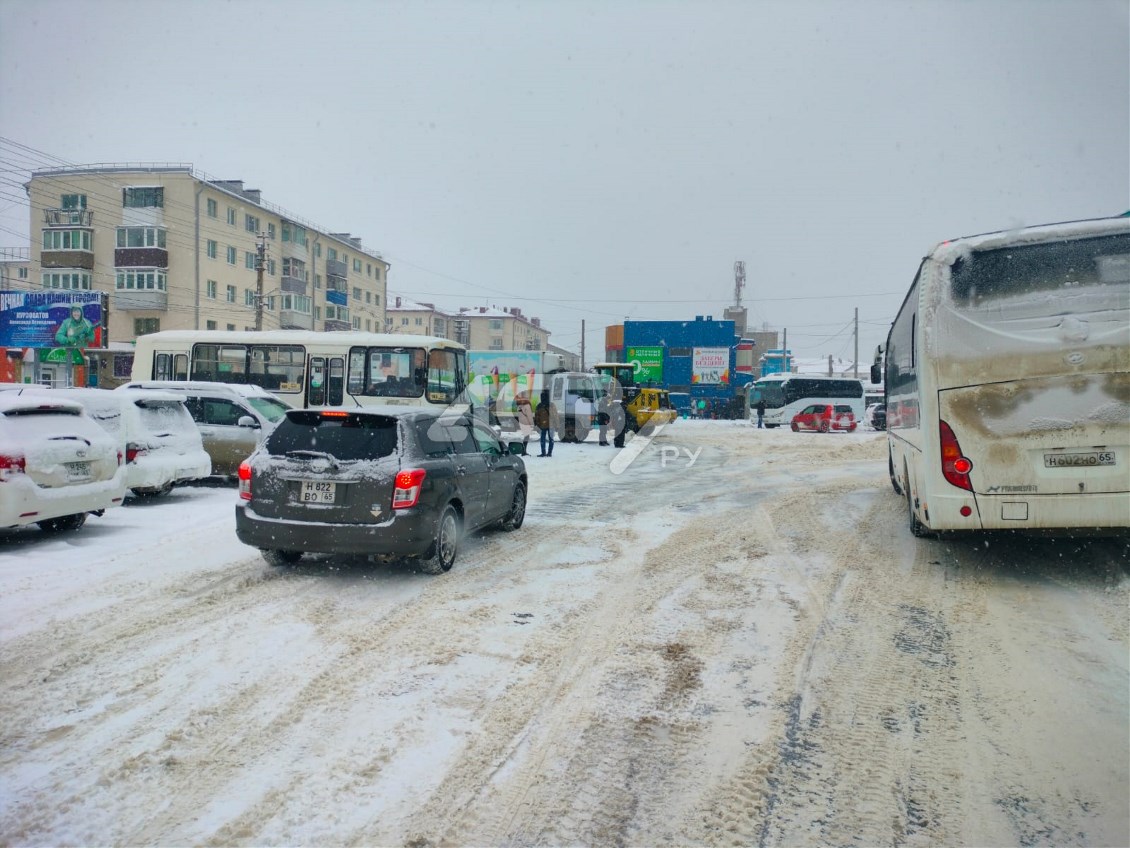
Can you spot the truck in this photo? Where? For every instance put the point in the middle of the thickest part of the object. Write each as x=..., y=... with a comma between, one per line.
x=643, y=404
x=499, y=376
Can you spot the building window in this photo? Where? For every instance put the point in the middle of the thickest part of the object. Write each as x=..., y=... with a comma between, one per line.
x=317, y=249
x=296, y=303
x=66, y=280
x=211, y=249
x=317, y=313
x=377, y=299
x=356, y=322
x=143, y=326
x=357, y=266
x=150, y=279
x=211, y=289
x=231, y=327
x=231, y=216
x=403, y=322
x=368, y=297
x=248, y=297
x=331, y=254
x=23, y=273
x=378, y=272
x=368, y=326
x=231, y=255
x=141, y=237
x=135, y=198
x=496, y=323
x=294, y=268
x=73, y=201
x=356, y=293
x=270, y=231
x=369, y=269
x=249, y=260
x=419, y=322
x=317, y=281
x=251, y=223
x=66, y=239
x=496, y=344
x=231, y=294
x=211, y=206
x=209, y=325
x=271, y=267
x=340, y=313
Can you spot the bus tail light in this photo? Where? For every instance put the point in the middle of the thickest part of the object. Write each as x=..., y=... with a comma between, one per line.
x=245, y=480
x=408, y=486
x=955, y=466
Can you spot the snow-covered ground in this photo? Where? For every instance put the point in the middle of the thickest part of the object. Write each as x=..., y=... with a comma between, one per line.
x=733, y=640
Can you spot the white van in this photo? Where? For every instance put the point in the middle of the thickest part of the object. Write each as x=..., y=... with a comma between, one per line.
x=159, y=441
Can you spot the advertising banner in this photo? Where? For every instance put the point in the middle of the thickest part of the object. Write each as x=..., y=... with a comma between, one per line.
x=710, y=366
x=51, y=319
x=647, y=362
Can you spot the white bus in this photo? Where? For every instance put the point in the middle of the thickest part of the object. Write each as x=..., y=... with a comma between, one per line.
x=787, y=394
x=311, y=369
x=1008, y=382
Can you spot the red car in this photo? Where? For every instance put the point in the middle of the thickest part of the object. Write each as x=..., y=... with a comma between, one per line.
x=823, y=417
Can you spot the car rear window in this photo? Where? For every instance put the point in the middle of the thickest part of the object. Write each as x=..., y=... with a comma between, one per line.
x=843, y=408
x=344, y=436
x=165, y=416
x=269, y=408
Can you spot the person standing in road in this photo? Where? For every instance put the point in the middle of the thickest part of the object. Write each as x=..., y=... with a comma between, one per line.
x=525, y=418
x=761, y=413
x=543, y=420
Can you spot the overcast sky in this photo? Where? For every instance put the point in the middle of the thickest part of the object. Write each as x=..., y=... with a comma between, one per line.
x=606, y=160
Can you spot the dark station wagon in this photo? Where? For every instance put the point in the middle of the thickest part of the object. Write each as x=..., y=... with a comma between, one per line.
x=393, y=482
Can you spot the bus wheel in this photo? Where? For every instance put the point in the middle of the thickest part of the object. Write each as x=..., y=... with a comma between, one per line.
x=917, y=528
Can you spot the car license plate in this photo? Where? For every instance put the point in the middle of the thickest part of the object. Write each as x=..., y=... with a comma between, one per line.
x=77, y=470
x=1078, y=460
x=315, y=492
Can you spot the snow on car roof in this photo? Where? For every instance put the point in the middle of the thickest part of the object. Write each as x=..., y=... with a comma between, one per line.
x=21, y=401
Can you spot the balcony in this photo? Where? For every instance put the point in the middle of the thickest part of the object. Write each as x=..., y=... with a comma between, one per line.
x=67, y=259
x=292, y=319
x=334, y=268
x=139, y=301
x=68, y=217
x=293, y=285
x=141, y=257
x=333, y=325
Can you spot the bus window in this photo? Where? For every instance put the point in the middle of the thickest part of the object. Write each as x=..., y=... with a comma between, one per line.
x=316, y=385
x=335, y=382
x=163, y=366
x=180, y=366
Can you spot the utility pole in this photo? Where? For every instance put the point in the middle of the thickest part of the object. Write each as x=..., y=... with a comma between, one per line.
x=260, y=262
x=582, y=344
x=855, y=365
x=785, y=351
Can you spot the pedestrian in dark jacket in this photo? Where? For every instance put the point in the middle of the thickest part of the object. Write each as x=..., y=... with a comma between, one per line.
x=761, y=413
x=543, y=420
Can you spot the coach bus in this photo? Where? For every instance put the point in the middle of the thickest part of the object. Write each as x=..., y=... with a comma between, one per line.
x=1008, y=382
x=787, y=394
x=311, y=369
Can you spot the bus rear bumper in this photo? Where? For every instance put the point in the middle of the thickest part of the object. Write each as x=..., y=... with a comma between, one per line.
x=1098, y=511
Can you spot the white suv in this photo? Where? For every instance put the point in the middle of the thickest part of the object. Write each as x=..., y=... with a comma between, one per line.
x=56, y=463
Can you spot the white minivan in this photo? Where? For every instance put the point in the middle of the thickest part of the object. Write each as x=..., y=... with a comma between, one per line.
x=159, y=441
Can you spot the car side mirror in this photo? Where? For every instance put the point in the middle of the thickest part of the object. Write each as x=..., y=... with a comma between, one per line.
x=515, y=448
x=247, y=421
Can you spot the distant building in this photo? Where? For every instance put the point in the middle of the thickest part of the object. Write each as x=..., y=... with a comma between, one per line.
x=491, y=328
x=409, y=316
x=177, y=249
x=15, y=268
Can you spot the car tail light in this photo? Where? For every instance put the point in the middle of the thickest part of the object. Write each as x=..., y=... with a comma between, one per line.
x=407, y=490
x=955, y=467
x=245, y=480
x=133, y=451
x=10, y=465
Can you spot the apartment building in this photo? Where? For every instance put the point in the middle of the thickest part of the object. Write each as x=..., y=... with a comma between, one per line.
x=409, y=316
x=179, y=250
x=479, y=328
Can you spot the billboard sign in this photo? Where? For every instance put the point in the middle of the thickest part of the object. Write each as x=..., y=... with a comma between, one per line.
x=51, y=319
x=646, y=362
x=710, y=366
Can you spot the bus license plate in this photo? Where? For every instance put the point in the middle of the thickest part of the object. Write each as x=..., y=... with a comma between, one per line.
x=314, y=492
x=1078, y=460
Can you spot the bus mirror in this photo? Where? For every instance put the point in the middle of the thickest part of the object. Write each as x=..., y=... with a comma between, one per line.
x=876, y=373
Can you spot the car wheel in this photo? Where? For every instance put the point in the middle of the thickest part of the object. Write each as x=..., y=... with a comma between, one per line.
x=823, y=426
x=280, y=558
x=796, y=429
x=63, y=522
x=441, y=555
x=517, y=514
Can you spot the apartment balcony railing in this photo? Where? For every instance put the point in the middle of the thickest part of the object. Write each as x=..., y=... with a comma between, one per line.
x=336, y=268
x=68, y=217
x=293, y=285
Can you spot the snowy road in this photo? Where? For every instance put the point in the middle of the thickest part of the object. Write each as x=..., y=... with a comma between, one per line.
x=738, y=646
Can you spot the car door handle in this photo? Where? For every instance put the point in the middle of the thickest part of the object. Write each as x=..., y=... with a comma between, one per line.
x=460, y=470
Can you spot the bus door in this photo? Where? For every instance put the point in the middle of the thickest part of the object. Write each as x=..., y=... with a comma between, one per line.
x=170, y=366
x=325, y=381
